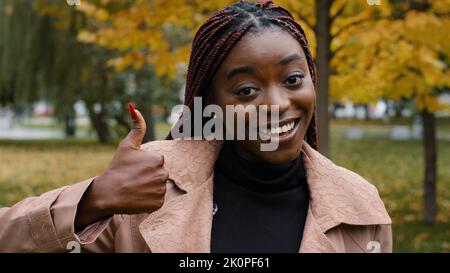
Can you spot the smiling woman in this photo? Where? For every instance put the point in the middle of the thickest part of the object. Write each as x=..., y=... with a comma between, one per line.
x=219, y=196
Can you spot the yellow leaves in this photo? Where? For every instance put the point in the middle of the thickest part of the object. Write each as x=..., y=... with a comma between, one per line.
x=86, y=36
x=300, y=9
x=86, y=7
x=165, y=65
x=378, y=56
x=134, y=60
x=442, y=6
x=211, y=6
x=59, y=10
x=91, y=10
x=182, y=54
x=156, y=42
x=428, y=102
x=137, y=31
x=393, y=59
x=118, y=63
x=168, y=64
x=102, y=15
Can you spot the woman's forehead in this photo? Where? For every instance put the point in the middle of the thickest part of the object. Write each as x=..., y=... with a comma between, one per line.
x=269, y=46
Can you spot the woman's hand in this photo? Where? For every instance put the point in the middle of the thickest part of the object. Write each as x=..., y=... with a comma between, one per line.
x=135, y=181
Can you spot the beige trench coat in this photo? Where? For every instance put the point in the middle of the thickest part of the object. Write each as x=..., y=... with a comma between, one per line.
x=345, y=213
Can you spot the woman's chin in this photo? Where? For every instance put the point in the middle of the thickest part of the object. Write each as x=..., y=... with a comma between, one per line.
x=284, y=152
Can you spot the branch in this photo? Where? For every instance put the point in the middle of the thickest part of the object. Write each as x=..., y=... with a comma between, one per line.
x=307, y=23
x=338, y=13
x=364, y=20
x=443, y=14
x=358, y=22
x=334, y=52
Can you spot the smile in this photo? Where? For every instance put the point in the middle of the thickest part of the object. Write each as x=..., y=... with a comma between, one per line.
x=283, y=131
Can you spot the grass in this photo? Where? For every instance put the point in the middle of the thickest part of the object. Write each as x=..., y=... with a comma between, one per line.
x=396, y=168
x=29, y=168
x=32, y=167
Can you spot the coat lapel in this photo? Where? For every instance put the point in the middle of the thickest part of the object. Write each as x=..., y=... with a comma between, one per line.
x=183, y=225
x=314, y=239
x=339, y=196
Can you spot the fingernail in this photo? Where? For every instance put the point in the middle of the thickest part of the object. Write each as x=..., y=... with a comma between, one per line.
x=132, y=112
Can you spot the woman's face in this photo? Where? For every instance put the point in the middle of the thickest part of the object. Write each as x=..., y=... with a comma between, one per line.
x=268, y=68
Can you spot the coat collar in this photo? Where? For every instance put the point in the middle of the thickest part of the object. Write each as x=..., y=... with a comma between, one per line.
x=337, y=196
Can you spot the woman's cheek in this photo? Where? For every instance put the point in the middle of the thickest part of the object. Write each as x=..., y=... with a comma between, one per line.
x=305, y=98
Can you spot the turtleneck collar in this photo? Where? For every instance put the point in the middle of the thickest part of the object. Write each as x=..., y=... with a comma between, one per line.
x=259, y=176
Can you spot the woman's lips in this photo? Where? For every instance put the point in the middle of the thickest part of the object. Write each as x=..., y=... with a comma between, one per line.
x=283, y=132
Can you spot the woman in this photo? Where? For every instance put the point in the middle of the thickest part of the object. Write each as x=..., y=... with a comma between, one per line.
x=219, y=196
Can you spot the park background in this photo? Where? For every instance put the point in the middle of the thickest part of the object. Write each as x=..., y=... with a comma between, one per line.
x=68, y=68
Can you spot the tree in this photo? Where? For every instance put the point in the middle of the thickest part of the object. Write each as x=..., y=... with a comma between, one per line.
x=42, y=58
x=22, y=55
x=130, y=28
x=403, y=56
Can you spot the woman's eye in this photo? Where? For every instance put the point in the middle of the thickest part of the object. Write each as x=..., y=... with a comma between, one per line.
x=294, y=80
x=247, y=91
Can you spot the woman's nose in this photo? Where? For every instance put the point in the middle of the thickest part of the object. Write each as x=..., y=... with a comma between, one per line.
x=277, y=97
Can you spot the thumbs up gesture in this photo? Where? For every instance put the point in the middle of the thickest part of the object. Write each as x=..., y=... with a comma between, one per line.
x=135, y=181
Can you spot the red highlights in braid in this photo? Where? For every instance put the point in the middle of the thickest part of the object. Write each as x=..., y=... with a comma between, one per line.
x=220, y=33
x=265, y=4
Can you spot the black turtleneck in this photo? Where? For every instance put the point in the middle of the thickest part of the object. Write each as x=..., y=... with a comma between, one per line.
x=259, y=207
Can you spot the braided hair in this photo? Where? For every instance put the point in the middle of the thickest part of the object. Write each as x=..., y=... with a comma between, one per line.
x=221, y=32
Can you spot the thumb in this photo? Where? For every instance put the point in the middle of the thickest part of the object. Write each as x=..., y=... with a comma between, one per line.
x=136, y=134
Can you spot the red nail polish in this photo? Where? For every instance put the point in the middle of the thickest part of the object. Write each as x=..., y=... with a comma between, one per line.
x=132, y=112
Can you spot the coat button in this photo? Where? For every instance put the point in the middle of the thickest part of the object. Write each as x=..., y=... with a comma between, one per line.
x=215, y=208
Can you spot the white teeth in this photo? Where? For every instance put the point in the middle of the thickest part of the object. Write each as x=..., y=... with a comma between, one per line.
x=278, y=130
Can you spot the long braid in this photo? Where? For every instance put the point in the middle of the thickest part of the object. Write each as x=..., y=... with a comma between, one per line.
x=201, y=56
x=221, y=32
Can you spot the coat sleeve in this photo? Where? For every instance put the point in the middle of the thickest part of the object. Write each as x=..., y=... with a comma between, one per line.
x=46, y=224
x=383, y=235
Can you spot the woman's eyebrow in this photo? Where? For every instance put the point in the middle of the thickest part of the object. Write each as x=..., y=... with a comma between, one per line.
x=240, y=70
x=290, y=58
x=249, y=69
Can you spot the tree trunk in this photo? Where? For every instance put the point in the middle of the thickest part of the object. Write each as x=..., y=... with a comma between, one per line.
x=101, y=128
x=322, y=60
x=399, y=106
x=367, y=111
x=70, y=123
x=99, y=122
x=430, y=153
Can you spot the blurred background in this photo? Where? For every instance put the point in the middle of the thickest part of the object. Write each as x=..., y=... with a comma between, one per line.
x=68, y=68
